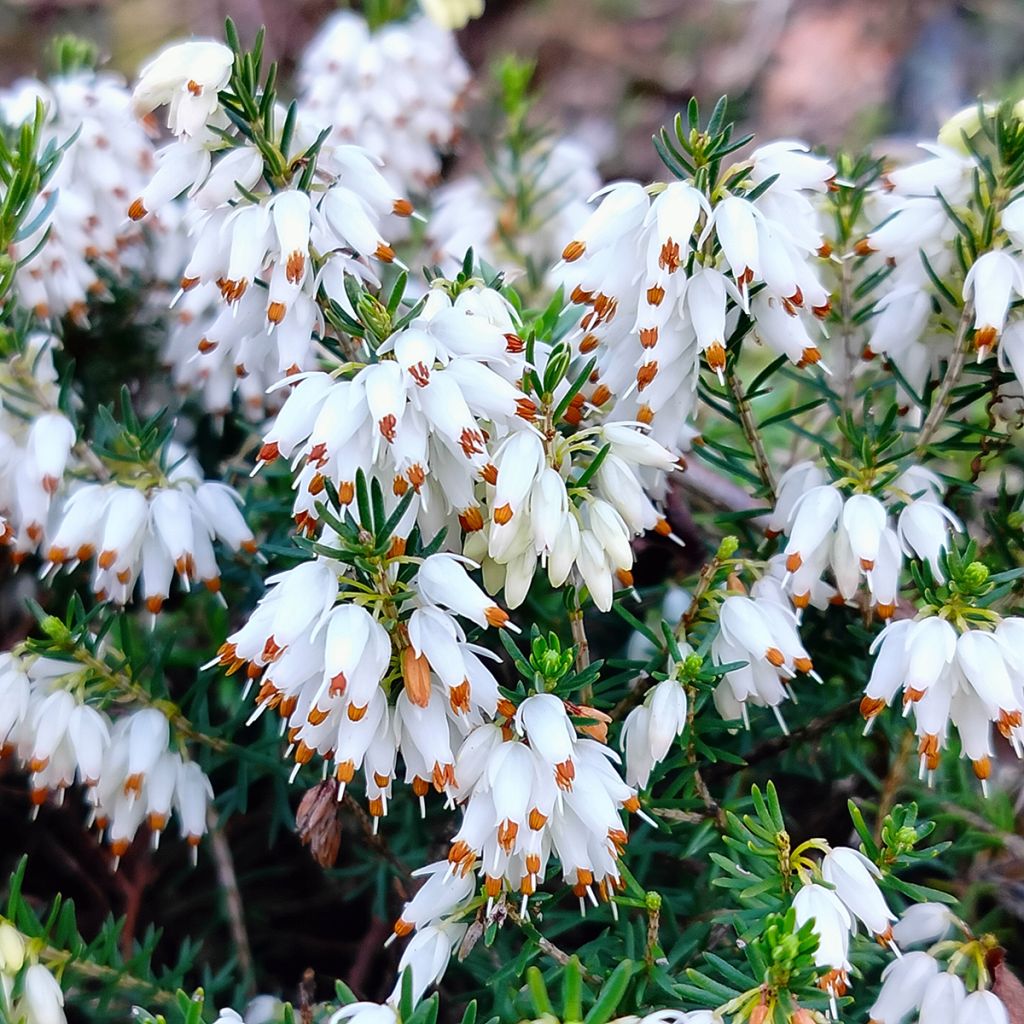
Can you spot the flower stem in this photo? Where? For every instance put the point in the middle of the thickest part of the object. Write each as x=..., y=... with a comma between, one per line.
x=943, y=397
x=752, y=434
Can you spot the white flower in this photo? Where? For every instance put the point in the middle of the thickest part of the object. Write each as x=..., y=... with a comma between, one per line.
x=439, y=895
x=811, y=520
x=853, y=876
x=42, y=1000
x=706, y=306
x=426, y=957
x=914, y=225
x=543, y=721
x=864, y=519
x=930, y=648
x=443, y=580
x=833, y=925
x=240, y=166
x=981, y=658
x=192, y=796
x=923, y=528
x=993, y=280
x=943, y=998
x=923, y=923
x=185, y=77
x=395, y=90
x=982, y=1008
x=793, y=165
x=800, y=477
x=901, y=316
x=903, y=985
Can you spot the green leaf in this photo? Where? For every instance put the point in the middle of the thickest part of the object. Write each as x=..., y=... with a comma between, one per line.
x=611, y=994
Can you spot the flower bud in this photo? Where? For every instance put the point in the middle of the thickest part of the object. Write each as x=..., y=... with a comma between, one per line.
x=12, y=949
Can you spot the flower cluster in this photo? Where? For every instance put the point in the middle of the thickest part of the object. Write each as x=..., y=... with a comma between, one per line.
x=854, y=537
x=257, y=259
x=430, y=455
x=849, y=894
x=413, y=419
x=327, y=666
x=530, y=789
x=152, y=523
x=921, y=217
x=543, y=510
x=759, y=632
x=129, y=773
x=36, y=441
x=916, y=983
x=970, y=677
x=71, y=251
x=396, y=91
x=694, y=267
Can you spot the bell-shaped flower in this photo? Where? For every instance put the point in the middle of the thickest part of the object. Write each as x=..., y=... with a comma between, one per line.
x=833, y=925
x=543, y=721
x=42, y=999
x=186, y=77
x=923, y=528
x=623, y=207
x=930, y=646
x=854, y=878
x=923, y=923
x=812, y=519
x=981, y=658
x=943, y=999
x=992, y=282
x=426, y=957
x=439, y=895
x=864, y=519
x=442, y=580
x=983, y=1007
x=903, y=985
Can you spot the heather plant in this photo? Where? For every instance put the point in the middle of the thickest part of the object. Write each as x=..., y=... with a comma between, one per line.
x=526, y=602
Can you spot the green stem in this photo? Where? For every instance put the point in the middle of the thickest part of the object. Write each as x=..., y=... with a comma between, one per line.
x=64, y=961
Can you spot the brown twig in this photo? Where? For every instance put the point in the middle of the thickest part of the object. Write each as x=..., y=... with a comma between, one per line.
x=233, y=906
x=714, y=809
x=777, y=744
x=700, y=481
x=752, y=434
x=943, y=397
x=894, y=780
x=674, y=814
x=369, y=949
x=546, y=945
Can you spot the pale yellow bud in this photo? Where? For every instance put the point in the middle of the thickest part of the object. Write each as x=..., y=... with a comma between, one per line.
x=964, y=122
x=452, y=14
x=12, y=949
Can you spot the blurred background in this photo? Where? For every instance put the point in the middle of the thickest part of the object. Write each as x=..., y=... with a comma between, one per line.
x=834, y=72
